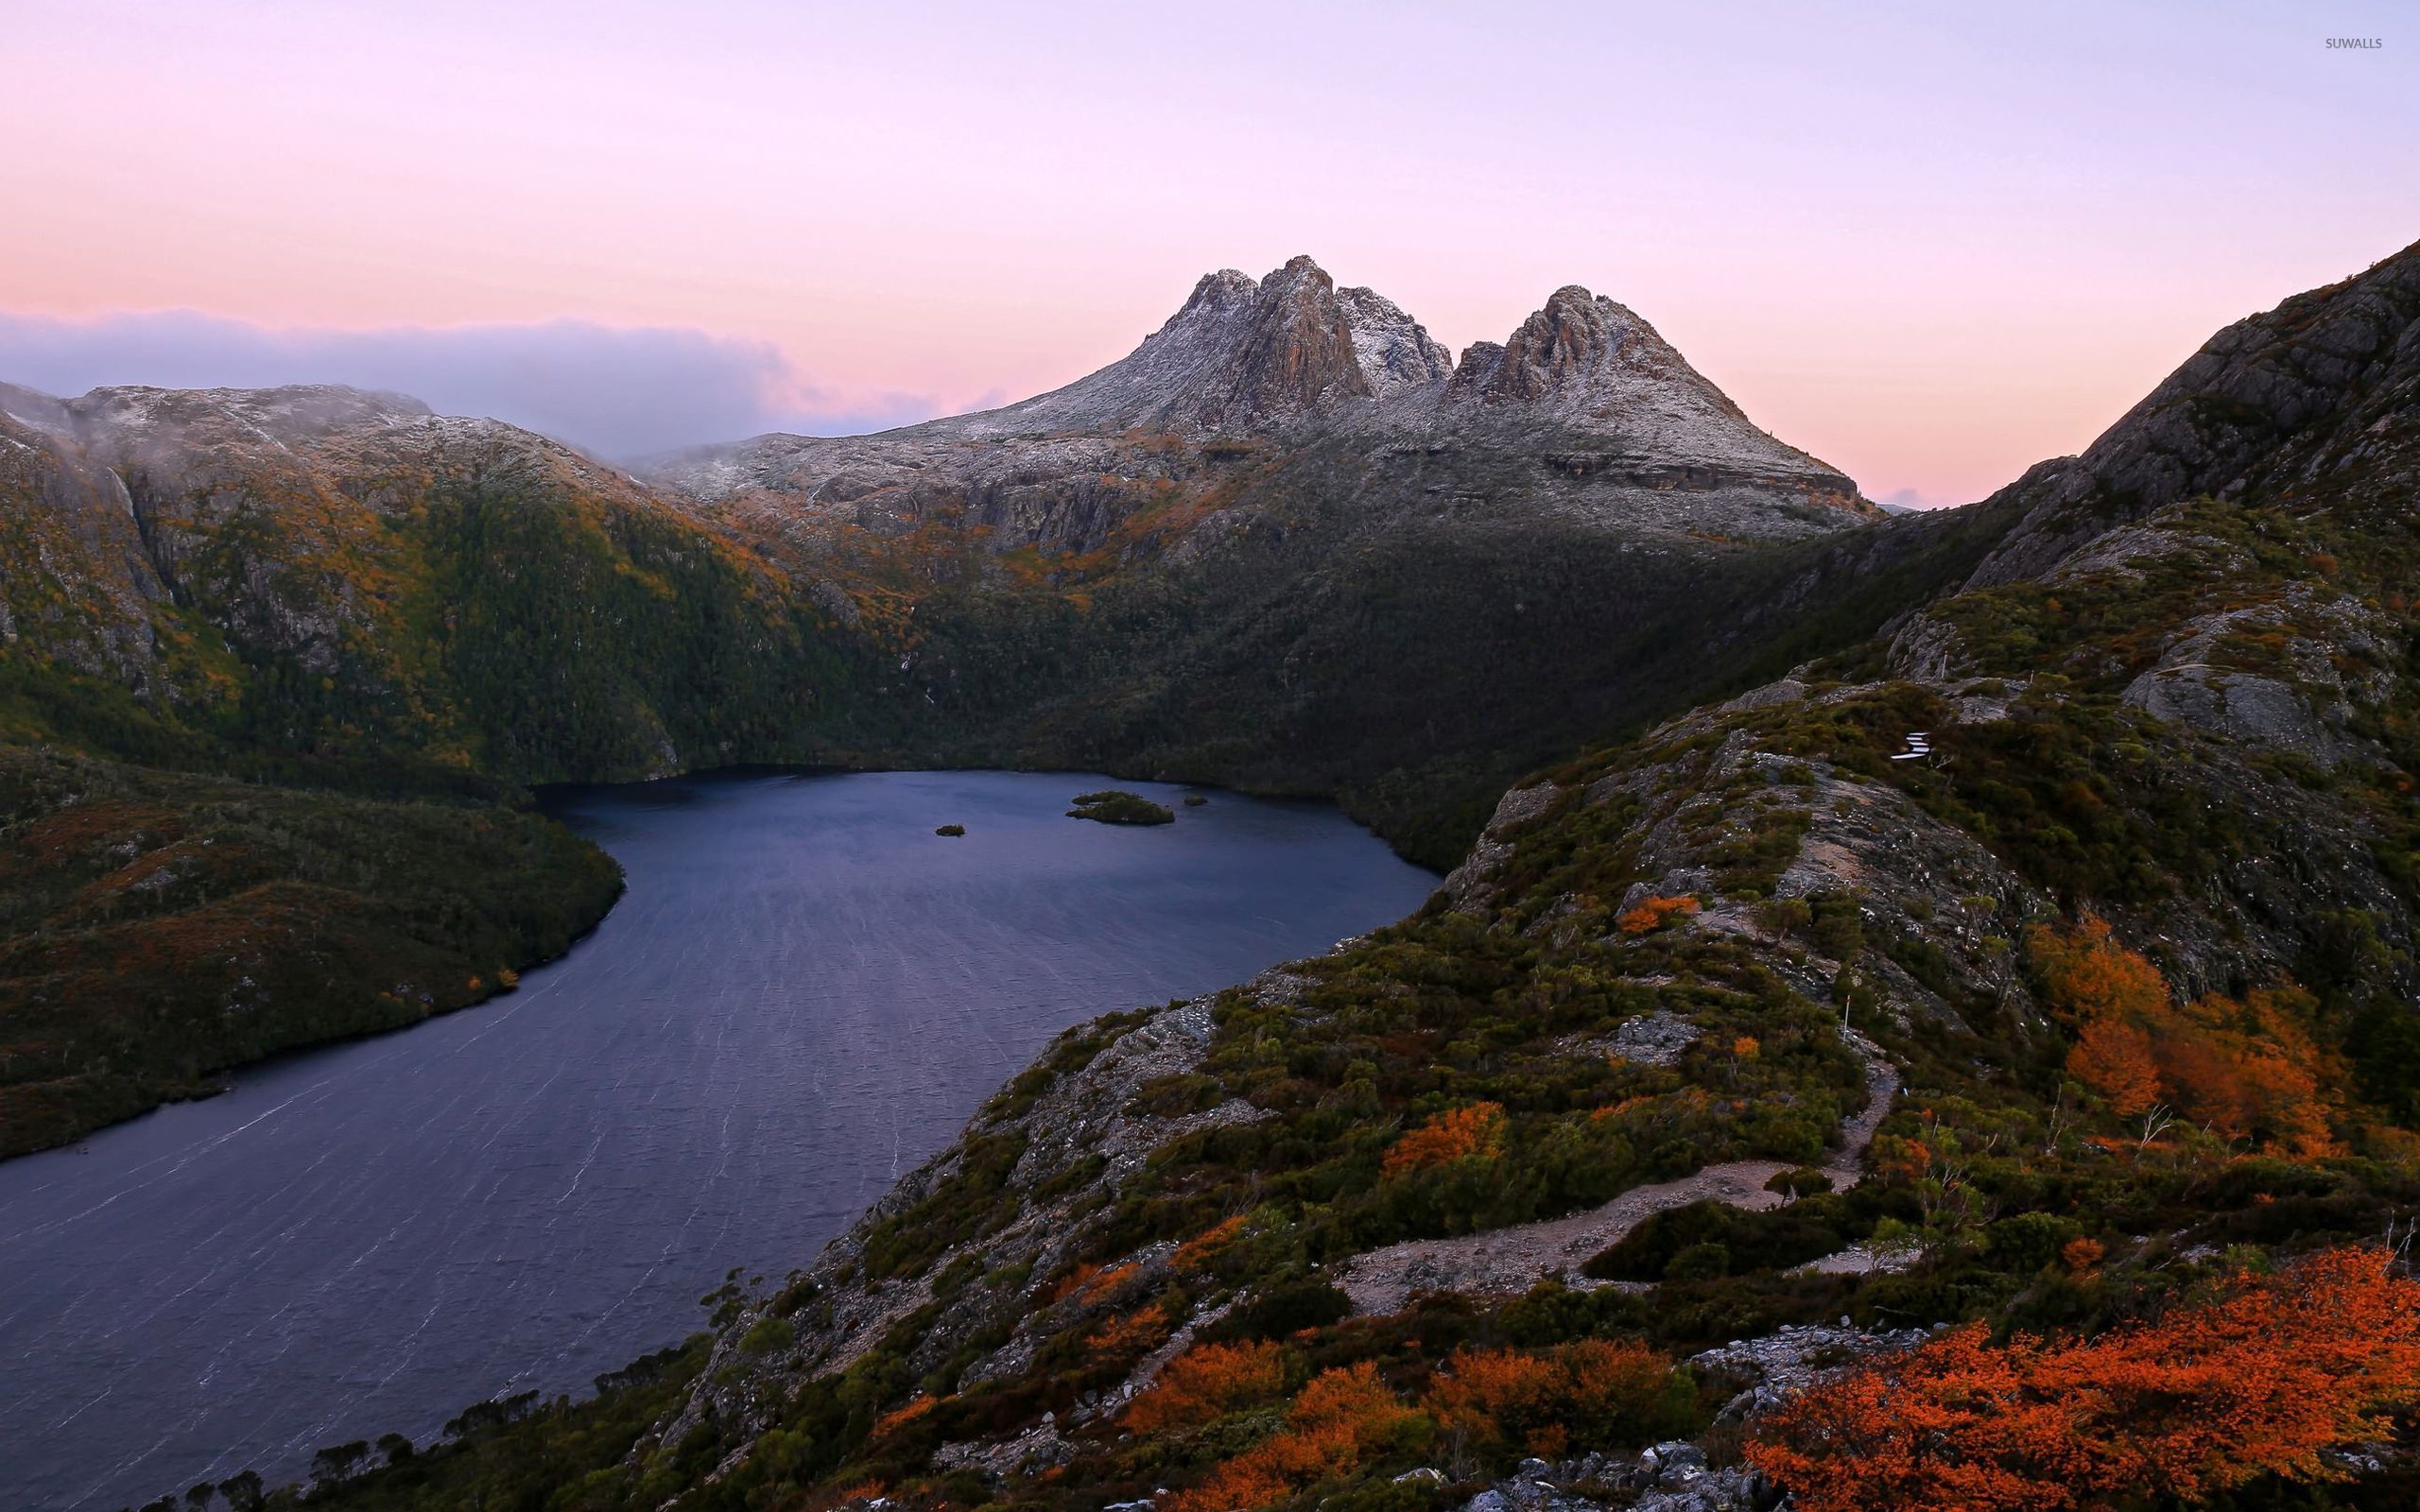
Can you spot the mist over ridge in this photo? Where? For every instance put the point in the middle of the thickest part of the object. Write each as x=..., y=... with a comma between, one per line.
x=618, y=391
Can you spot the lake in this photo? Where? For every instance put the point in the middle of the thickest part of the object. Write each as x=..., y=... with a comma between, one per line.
x=805, y=993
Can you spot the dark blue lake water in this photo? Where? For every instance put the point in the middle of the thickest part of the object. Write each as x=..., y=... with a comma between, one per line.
x=805, y=993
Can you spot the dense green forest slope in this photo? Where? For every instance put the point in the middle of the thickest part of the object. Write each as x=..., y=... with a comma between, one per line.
x=157, y=928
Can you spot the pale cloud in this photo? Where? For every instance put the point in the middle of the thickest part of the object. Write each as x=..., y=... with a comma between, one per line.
x=618, y=391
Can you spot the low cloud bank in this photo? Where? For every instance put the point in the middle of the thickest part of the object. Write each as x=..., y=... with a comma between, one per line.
x=618, y=391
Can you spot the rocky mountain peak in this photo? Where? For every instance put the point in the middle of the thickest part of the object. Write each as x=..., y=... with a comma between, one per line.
x=1395, y=351
x=1220, y=292
x=1594, y=370
x=1240, y=353
x=1567, y=348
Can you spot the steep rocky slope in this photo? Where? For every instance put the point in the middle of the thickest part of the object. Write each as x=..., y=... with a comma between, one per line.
x=2077, y=915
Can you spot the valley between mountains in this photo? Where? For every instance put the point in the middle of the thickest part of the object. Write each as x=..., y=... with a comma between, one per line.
x=2025, y=1115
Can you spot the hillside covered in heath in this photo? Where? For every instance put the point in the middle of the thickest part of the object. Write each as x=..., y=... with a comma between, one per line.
x=384, y=622
x=1975, y=1068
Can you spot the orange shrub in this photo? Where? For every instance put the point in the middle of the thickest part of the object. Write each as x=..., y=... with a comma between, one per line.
x=1654, y=913
x=1342, y=1416
x=2255, y=1384
x=898, y=1417
x=1072, y=1281
x=1196, y=1252
x=2118, y=1061
x=2092, y=975
x=1596, y=1391
x=1090, y=1283
x=2245, y=1069
x=1475, y=1133
x=1207, y=1381
x=1138, y=1332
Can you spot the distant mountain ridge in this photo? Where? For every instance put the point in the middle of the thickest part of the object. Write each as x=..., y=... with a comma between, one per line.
x=1584, y=392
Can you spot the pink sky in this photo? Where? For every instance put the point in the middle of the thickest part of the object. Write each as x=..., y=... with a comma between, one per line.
x=1931, y=243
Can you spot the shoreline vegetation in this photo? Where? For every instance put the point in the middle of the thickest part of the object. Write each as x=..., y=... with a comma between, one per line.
x=159, y=930
x=367, y=906
x=1117, y=806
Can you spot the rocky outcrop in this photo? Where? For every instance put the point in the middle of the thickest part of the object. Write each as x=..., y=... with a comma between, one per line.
x=2291, y=394
x=1667, y=1477
x=1395, y=351
x=1586, y=366
x=1240, y=355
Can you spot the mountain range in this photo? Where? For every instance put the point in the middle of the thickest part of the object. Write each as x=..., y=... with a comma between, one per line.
x=1884, y=939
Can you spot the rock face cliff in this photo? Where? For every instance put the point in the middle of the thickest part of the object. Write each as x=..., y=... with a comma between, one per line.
x=1239, y=355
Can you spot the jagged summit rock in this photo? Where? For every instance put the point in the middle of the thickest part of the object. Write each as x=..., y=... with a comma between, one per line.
x=1241, y=353
x=1588, y=366
x=1396, y=351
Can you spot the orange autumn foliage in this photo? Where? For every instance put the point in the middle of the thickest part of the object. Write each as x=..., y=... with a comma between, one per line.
x=1073, y=1281
x=1208, y=1382
x=1341, y=1418
x=898, y=1417
x=1475, y=1133
x=2116, y=1060
x=2245, y=1069
x=1506, y=1397
x=2257, y=1382
x=1654, y=913
x=1196, y=1252
x=1137, y=1332
x=2093, y=975
x=1089, y=1283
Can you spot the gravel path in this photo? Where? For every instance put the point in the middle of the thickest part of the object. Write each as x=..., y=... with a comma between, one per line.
x=1507, y=1262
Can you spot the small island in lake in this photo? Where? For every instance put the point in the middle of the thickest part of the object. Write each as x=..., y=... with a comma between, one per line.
x=1194, y=800
x=951, y=830
x=1113, y=806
